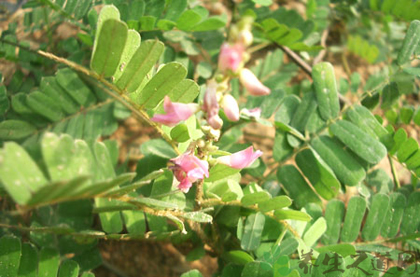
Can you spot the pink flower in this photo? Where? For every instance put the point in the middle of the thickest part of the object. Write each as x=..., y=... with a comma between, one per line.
x=252, y=84
x=211, y=106
x=230, y=107
x=188, y=169
x=230, y=57
x=175, y=112
x=241, y=159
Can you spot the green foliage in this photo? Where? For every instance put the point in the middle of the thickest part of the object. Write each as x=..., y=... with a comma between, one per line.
x=52, y=120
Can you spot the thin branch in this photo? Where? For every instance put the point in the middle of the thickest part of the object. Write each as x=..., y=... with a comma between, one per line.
x=92, y=234
x=394, y=172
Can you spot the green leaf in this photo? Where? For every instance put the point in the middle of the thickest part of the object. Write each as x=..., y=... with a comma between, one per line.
x=390, y=95
x=296, y=186
x=15, y=129
x=304, y=111
x=353, y=220
x=407, y=149
x=414, y=160
x=74, y=86
x=275, y=203
x=238, y=257
x=326, y=90
x=292, y=214
x=406, y=113
x=19, y=173
x=255, y=198
x=50, y=87
x=315, y=232
x=135, y=222
x=69, y=268
x=147, y=23
x=376, y=216
x=287, y=109
x=192, y=273
x=359, y=142
x=342, y=249
x=156, y=89
x=45, y=106
x=188, y=19
x=263, y=2
x=74, y=159
x=318, y=173
x=110, y=47
x=334, y=215
x=253, y=228
x=184, y=92
x=140, y=64
x=28, y=266
x=400, y=137
x=328, y=264
x=257, y=269
x=282, y=150
x=10, y=252
x=49, y=260
x=175, y=9
x=198, y=217
x=345, y=167
x=362, y=269
x=156, y=203
x=411, y=220
x=410, y=42
x=367, y=122
x=159, y=148
x=180, y=133
x=131, y=46
x=4, y=100
x=394, y=215
x=212, y=23
x=220, y=171
x=204, y=69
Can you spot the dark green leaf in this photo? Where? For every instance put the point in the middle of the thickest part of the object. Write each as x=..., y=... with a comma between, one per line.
x=10, y=255
x=376, y=216
x=353, y=220
x=318, y=173
x=334, y=215
x=296, y=186
x=109, y=48
x=252, y=231
x=359, y=142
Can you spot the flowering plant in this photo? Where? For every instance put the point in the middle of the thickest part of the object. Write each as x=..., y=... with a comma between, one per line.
x=244, y=134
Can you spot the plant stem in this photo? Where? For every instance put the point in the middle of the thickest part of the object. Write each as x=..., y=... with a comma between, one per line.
x=394, y=172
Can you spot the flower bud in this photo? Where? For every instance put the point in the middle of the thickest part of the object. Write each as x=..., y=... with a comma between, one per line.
x=230, y=107
x=252, y=84
x=245, y=37
x=211, y=106
x=230, y=57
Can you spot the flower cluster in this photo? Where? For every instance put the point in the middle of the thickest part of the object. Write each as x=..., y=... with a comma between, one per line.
x=187, y=167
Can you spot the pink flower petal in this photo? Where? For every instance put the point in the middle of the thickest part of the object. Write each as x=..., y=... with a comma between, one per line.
x=175, y=112
x=252, y=84
x=188, y=169
x=230, y=57
x=230, y=107
x=185, y=185
x=241, y=159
